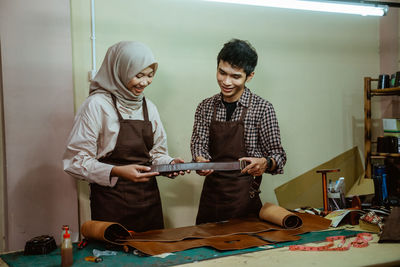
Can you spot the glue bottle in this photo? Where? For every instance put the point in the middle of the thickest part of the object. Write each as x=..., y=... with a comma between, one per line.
x=66, y=250
x=65, y=229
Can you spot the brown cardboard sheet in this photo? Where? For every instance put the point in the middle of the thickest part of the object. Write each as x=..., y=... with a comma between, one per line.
x=306, y=189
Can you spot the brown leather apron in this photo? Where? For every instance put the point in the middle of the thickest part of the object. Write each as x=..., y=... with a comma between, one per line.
x=226, y=194
x=137, y=206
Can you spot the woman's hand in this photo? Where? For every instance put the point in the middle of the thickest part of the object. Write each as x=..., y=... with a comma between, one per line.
x=174, y=161
x=203, y=172
x=133, y=172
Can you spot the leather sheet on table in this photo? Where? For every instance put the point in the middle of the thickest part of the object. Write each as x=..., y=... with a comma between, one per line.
x=231, y=242
x=233, y=226
x=236, y=240
x=228, y=235
x=273, y=218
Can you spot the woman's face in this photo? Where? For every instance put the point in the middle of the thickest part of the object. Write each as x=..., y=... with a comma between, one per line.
x=137, y=84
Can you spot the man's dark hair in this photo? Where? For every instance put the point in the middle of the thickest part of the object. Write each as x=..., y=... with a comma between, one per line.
x=240, y=54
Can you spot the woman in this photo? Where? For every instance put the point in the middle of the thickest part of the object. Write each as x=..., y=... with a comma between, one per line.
x=117, y=133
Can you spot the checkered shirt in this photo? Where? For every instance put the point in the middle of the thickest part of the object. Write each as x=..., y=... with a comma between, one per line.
x=262, y=135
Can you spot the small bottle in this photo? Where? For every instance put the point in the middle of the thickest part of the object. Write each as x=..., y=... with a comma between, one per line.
x=66, y=250
x=65, y=229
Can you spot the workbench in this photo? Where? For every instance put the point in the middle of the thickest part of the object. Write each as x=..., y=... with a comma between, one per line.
x=275, y=255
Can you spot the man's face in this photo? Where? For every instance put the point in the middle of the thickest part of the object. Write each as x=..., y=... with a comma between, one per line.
x=231, y=80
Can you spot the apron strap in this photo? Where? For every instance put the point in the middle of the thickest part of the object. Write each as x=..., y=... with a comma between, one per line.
x=116, y=108
x=144, y=106
x=255, y=186
x=145, y=112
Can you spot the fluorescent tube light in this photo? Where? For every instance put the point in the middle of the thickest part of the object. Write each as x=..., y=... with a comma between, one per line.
x=325, y=6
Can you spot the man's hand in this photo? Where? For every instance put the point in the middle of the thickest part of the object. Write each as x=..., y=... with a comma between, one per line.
x=133, y=172
x=203, y=172
x=256, y=167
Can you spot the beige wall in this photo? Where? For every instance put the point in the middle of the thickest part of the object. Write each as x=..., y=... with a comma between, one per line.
x=311, y=67
x=37, y=94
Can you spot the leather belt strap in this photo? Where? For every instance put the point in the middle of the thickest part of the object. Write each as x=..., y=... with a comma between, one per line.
x=196, y=166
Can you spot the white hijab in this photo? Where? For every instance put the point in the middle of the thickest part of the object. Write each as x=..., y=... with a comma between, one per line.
x=122, y=62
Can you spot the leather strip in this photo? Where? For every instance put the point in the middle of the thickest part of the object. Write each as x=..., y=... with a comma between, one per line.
x=197, y=166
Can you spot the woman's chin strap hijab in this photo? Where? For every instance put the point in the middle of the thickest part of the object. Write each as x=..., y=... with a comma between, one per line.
x=123, y=61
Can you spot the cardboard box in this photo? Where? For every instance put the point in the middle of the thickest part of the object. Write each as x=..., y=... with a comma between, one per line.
x=391, y=125
x=370, y=227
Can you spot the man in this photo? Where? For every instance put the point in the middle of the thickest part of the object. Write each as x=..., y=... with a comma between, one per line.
x=235, y=125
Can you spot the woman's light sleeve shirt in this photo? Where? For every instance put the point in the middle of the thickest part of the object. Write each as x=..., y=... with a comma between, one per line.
x=94, y=135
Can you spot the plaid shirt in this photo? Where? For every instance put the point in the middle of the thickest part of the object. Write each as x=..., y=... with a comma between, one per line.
x=261, y=134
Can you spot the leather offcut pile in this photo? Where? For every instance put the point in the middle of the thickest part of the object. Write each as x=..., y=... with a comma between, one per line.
x=275, y=224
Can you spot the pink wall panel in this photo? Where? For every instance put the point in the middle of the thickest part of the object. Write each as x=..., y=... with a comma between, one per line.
x=38, y=114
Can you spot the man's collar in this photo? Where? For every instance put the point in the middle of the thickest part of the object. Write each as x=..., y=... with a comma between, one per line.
x=244, y=99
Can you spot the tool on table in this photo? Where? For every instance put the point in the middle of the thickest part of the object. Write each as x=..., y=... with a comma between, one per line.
x=93, y=259
x=336, y=199
x=82, y=244
x=40, y=245
x=325, y=188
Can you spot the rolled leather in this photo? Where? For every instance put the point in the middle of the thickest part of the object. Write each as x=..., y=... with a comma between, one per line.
x=105, y=231
x=280, y=216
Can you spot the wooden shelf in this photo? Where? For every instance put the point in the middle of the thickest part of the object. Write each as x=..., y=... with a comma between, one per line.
x=384, y=155
x=386, y=91
x=368, y=94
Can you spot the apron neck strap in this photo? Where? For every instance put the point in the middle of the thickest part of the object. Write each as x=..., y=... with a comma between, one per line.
x=114, y=99
x=144, y=108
